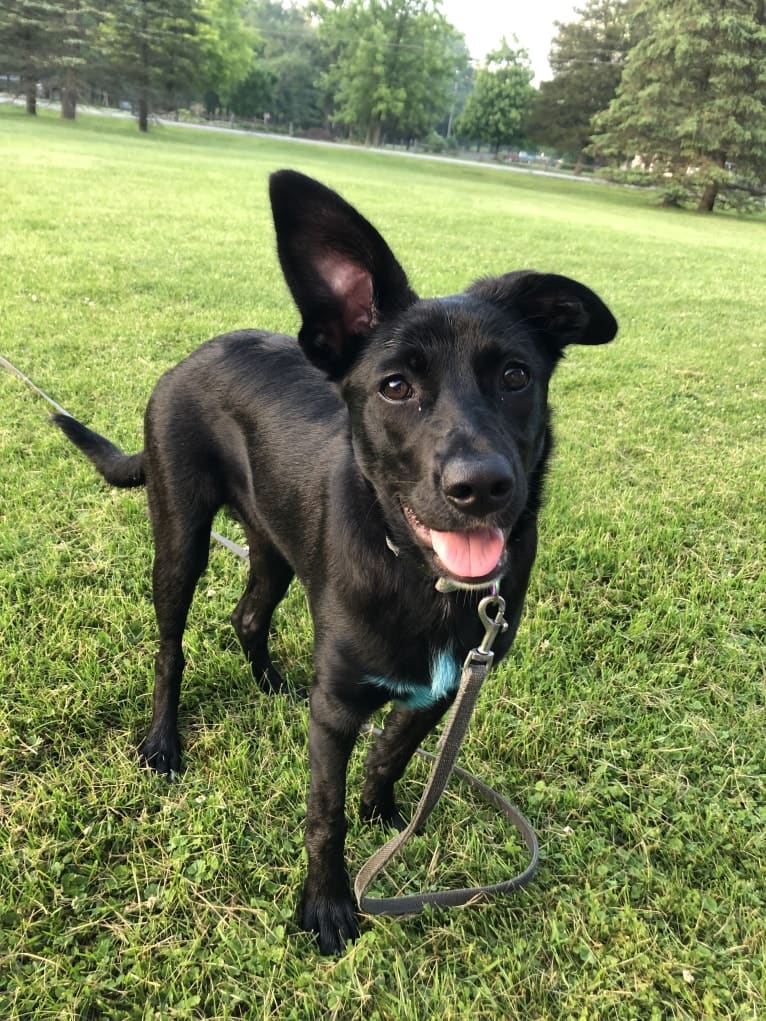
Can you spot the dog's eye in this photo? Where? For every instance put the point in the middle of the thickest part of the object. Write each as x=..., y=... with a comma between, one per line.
x=515, y=377
x=396, y=388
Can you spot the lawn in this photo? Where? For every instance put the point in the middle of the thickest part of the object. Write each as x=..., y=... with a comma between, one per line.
x=628, y=723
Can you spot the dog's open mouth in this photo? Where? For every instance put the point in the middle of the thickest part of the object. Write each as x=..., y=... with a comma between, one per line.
x=473, y=554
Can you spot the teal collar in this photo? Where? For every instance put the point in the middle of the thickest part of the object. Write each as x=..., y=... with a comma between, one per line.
x=445, y=679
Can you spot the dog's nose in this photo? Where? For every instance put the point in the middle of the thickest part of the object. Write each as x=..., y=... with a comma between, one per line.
x=477, y=486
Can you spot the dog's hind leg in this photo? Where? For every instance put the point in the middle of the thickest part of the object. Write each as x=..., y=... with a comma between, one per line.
x=182, y=542
x=387, y=760
x=269, y=578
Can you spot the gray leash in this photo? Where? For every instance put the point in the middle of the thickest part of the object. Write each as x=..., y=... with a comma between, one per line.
x=475, y=669
x=25, y=379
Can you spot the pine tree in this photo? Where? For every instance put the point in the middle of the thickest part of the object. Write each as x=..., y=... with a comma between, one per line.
x=154, y=49
x=49, y=42
x=692, y=101
x=72, y=37
x=587, y=57
x=25, y=31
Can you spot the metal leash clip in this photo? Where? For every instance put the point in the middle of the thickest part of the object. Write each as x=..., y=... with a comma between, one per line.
x=493, y=626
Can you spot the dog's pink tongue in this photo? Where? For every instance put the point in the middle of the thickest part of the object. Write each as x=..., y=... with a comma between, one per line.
x=469, y=554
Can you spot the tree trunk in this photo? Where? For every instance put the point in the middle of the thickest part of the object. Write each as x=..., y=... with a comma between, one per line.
x=374, y=132
x=30, y=91
x=709, y=195
x=143, y=86
x=143, y=113
x=69, y=97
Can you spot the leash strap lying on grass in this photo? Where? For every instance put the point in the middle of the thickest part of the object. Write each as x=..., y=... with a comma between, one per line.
x=475, y=669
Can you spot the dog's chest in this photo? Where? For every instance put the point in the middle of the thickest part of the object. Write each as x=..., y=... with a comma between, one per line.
x=422, y=694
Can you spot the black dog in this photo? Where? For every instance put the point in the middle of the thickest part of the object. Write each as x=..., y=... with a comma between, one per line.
x=397, y=469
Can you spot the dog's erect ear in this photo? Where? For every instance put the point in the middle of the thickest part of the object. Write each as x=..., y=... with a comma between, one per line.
x=342, y=274
x=563, y=310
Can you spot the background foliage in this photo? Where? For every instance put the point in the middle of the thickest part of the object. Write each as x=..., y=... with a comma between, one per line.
x=691, y=104
x=495, y=110
x=587, y=58
x=665, y=93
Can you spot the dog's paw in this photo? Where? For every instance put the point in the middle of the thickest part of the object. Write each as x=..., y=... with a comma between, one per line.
x=377, y=814
x=332, y=919
x=163, y=755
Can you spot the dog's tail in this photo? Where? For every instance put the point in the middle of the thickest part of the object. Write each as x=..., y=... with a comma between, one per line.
x=118, y=468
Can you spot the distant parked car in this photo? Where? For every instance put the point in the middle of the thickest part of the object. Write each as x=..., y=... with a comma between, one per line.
x=519, y=157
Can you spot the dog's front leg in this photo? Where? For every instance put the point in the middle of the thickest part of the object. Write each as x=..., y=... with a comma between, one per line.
x=327, y=906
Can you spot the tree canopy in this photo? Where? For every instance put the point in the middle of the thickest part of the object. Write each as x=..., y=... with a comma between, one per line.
x=587, y=57
x=283, y=81
x=226, y=47
x=494, y=112
x=691, y=105
x=391, y=66
x=153, y=49
x=43, y=40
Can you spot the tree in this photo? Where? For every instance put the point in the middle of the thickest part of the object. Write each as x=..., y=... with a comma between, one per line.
x=587, y=57
x=495, y=110
x=691, y=105
x=49, y=42
x=287, y=67
x=73, y=33
x=392, y=64
x=462, y=87
x=443, y=63
x=154, y=49
x=254, y=96
x=23, y=27
x=227, y=48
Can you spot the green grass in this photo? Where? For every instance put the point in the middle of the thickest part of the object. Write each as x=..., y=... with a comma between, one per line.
x=628, y=722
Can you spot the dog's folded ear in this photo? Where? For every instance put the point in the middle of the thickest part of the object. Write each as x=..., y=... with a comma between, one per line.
x=342, y=274
x=563, y=310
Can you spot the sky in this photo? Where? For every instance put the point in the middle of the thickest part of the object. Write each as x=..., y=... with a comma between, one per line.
x=485, y=22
